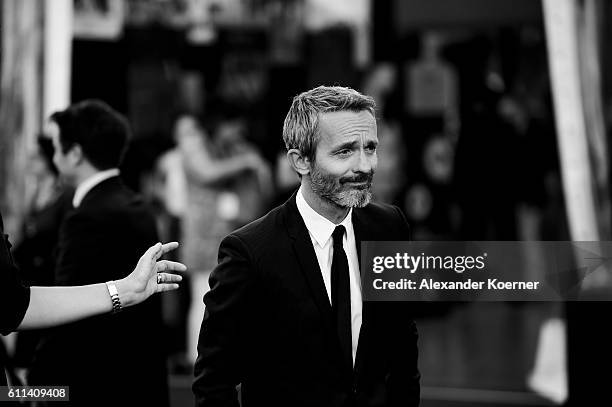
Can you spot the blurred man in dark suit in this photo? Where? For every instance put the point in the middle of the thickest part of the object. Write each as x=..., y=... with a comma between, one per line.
x=285, y=317
x=34, y=254
x=106, y=360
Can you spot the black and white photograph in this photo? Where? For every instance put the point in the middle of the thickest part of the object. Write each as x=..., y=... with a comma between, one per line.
x=305, y=203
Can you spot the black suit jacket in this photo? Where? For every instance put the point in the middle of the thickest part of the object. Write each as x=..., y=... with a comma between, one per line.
x=268, y=324
x=109, y=359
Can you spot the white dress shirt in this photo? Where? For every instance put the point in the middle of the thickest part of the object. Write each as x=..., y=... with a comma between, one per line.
x=84, y=187
x=321, y=230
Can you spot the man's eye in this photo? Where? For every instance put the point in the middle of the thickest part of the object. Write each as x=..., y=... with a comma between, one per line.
x=343, y=152
x=371, y=149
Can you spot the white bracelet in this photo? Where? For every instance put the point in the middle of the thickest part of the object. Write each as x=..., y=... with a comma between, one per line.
x=114, y=294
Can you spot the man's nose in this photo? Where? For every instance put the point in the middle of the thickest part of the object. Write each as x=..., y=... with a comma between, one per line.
x=366, y=163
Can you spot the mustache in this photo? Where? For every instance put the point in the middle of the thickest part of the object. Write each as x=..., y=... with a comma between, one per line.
x=362, y=177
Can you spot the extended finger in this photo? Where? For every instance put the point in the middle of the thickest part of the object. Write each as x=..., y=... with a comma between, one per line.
x=166, y=287
x=166, y=248
x=151, y=253
x=165, y=278
x=167, y=265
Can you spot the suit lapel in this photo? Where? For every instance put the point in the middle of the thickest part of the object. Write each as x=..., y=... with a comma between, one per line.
x=307, y=258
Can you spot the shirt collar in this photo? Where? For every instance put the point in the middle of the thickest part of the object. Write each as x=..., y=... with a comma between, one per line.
x=87, y=185
x=320, y=227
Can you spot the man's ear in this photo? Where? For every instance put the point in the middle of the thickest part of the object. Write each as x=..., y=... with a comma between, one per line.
x=76, y=154
x=298, y=162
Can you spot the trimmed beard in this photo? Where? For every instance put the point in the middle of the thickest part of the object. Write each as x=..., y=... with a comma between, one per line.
x=333, y=189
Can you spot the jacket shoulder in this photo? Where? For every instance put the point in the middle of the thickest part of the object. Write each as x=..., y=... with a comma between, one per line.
x=382, y=212
x=263, y=233
x=386, y=222
x=116, y=208
x=116, y=199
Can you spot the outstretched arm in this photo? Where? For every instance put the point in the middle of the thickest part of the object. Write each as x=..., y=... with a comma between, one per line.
x=50, y=306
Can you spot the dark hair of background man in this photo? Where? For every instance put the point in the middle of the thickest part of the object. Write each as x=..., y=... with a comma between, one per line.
x=101, y=132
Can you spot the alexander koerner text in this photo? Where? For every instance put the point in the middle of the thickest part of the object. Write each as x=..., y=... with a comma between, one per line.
x=469, y=284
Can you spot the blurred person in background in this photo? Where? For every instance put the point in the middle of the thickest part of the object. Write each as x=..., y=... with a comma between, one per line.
x=390, y=178
x=208, y=211
x=46, y=205
x=253, y=190
x=89, y=140
x=285, y=318
x=47, y=202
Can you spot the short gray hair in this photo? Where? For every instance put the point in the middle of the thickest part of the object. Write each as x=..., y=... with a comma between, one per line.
x=300, y=130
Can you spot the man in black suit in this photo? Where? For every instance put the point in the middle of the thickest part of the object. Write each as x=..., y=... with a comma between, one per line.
x=285, y=318
x=111, y=359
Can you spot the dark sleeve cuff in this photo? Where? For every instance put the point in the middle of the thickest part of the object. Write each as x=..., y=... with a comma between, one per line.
x=14, y=310
x=14, y=296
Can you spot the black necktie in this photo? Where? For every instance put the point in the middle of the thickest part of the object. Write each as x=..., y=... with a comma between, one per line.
x=341, y=296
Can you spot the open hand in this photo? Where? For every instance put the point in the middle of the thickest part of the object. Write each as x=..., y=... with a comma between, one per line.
x=150, y=276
